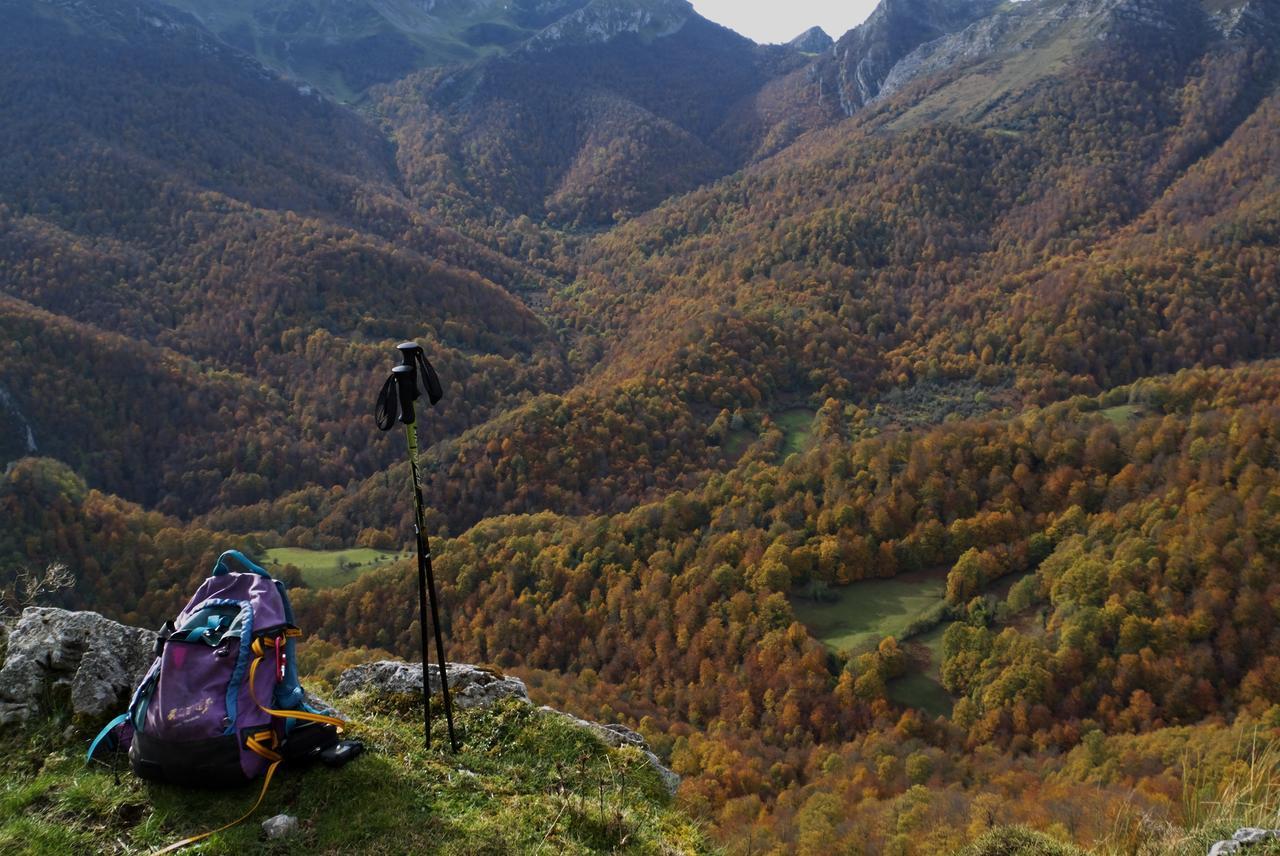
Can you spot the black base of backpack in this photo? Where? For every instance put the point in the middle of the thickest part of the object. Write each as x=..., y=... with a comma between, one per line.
x=216, y=762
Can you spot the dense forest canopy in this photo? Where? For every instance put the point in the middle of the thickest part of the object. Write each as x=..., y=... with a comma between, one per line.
x=987, y=296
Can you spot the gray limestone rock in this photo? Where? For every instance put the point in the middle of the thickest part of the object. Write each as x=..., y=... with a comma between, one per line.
x=469, y=686
x=813, y=40
x=49, y=651
x=1243, y=838
x=280, y=826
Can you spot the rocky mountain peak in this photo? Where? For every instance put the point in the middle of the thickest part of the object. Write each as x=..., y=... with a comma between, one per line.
x=812, y=40
x=864, y=57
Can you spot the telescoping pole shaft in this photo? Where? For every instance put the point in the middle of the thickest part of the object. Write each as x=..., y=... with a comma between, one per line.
x=427, y=575
x=406, y=389
x=406, y=376
x=411, y=435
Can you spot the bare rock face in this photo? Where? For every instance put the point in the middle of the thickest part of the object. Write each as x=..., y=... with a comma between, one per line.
x=864, y=57
x=813, y=40
x=1251, y=18
x=469, y=686
x=51, y=651
x=1243, y=839
x=602, y=21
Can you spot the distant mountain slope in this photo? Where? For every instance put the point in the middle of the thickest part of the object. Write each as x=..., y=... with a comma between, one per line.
x=345, y=46
x=592, y=119
x=163, y=195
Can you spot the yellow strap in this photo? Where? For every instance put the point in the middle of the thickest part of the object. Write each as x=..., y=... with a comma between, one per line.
x=285, y=714
x=266, y=782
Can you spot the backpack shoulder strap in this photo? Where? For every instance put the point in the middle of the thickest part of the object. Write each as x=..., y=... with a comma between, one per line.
x=222, y=567
x=107, y=733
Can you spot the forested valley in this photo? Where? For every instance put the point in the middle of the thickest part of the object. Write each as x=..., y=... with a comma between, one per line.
x=727, y=350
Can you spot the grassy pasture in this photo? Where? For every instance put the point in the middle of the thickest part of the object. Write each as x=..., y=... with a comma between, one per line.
x=330, y=568
x=922, y=688
x=797, y=428
x=864, y=613
x=1123, y=414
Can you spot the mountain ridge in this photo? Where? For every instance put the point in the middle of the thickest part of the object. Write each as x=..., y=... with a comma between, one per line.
x=718, y=357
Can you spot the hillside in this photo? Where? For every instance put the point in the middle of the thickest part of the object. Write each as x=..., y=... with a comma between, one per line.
x=976, y=304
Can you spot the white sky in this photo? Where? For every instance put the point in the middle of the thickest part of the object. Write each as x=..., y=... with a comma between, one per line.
x=782, y=20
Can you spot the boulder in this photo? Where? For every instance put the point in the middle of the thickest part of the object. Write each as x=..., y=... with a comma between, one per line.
x=50, y=652
x=469, y=686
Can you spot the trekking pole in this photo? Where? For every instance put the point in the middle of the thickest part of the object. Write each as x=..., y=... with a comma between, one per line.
x=396, y=401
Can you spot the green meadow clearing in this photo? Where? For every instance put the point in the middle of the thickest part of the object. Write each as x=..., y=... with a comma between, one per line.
x=922, y=688
x=330, y=568
x=797, y=428
x=1123, y=414
x=864, y=613
x=796, y=424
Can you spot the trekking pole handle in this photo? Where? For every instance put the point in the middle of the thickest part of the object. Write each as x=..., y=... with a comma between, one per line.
x=401, y=390
x=407, y=390
x=413, y=355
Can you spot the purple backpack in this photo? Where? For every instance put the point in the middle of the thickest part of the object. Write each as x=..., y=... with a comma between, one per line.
x=222, y=704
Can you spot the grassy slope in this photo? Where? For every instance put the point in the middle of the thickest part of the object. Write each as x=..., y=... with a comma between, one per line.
x=866, y=612
x=324, y=568
x=522, y=781
x=1123, y=414
x=923, y=688
x=797, y=427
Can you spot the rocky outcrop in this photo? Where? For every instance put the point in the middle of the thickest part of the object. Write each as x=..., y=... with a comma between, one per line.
x=905, y=40
x=813, y=40
x=602, y=21
x=471, y=687
x=1252, y=18
x=20, y=436
x=94, y=663
x=52, y=653
x=1242, y=839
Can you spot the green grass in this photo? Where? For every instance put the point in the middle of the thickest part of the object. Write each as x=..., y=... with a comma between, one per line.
x=523, y=783
x=1123, y=414
x=864, y=613
x=922, y=688
x=922, y=691
x=738, y=441
x=797, y=429
x=330, y=568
